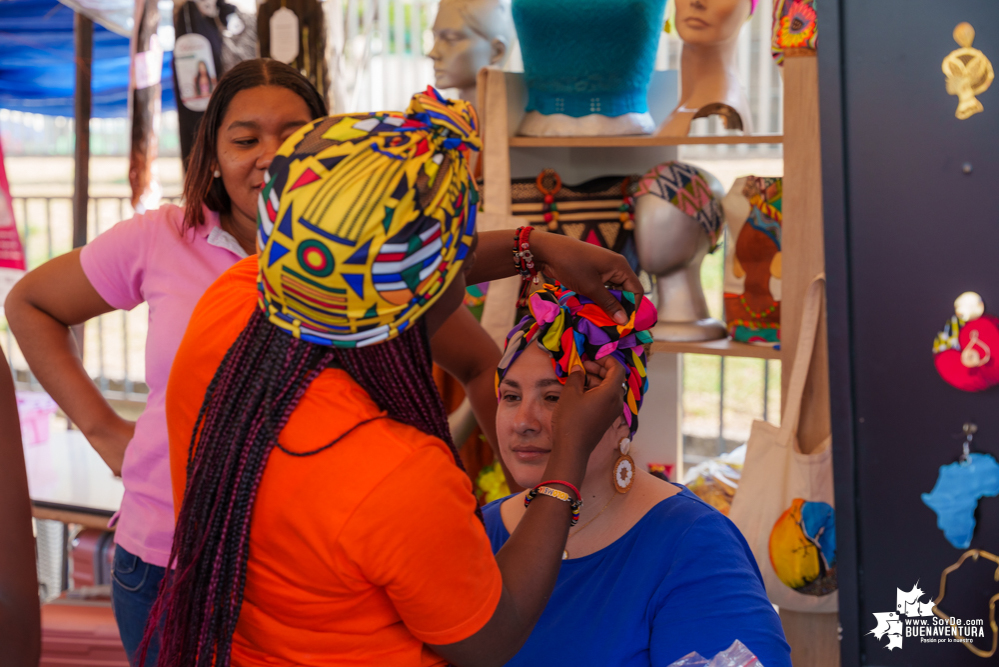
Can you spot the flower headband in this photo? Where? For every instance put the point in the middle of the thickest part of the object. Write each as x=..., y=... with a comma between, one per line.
x=573, y=329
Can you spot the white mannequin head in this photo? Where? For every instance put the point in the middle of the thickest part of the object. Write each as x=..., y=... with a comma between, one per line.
x=470, y=35
x=711, y=21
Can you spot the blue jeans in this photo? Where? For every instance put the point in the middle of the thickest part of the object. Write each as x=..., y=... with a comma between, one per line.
x=134, y=585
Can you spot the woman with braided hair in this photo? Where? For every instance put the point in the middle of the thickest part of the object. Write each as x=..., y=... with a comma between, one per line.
x=323, y=516
x=676, y=573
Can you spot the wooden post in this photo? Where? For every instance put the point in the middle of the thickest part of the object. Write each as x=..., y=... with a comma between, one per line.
x=83, y=31
x=813, y=637
x=501, y=301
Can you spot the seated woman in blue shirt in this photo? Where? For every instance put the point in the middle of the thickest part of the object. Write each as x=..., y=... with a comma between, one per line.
x=651, y=573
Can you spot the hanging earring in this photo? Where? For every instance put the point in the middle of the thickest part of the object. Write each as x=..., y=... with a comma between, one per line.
x=624, y=468
x=217, y=173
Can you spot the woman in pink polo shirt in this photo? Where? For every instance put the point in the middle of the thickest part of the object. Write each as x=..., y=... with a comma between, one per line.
x=167, y=258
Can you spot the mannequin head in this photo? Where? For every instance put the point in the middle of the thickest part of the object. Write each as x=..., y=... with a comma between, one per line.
x=470, y=35
x=711, y=21
x=678, y=220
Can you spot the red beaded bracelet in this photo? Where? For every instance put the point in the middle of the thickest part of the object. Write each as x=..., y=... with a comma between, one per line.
x=523, y=259
x=565, y=484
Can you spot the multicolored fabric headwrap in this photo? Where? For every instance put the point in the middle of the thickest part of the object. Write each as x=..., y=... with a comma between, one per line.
x=365, y=219
x=573, y=329
x=686, y=187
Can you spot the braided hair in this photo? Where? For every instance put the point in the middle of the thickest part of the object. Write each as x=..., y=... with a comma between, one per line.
x=256, y=388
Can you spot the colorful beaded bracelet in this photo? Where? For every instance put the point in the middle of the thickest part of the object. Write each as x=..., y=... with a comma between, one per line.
x=523, y=259
x=574, y=505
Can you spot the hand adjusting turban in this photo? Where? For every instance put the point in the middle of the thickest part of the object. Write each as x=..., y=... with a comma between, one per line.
x=365, y=219
x=572, y=329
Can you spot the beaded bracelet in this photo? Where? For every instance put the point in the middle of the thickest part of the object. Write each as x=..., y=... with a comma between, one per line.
x=567, y=485
x=574, y=505
x=523, y=259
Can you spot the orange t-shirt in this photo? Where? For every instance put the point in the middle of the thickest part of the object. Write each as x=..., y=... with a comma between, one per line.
x=358, y=554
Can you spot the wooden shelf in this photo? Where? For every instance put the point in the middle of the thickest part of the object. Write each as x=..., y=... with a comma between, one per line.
x=632, y=141
x=718, y=348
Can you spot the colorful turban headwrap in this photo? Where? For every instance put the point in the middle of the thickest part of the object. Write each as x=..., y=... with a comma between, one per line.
x=365, y=219
x=573, y=329
x=687, y=188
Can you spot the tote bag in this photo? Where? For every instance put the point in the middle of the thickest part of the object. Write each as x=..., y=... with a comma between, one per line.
x=784, y=505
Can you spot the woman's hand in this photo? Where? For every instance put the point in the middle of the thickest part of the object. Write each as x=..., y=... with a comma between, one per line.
x=584, y=415
x=582, y=267
x=109, y=438
x=585, y=268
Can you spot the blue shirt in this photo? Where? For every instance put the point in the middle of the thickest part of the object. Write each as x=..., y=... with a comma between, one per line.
x=682, y=579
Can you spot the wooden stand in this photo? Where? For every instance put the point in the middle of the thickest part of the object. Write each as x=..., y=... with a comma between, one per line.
x=813, y=637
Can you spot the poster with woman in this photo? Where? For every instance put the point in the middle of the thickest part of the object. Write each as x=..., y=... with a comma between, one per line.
x=195, y=70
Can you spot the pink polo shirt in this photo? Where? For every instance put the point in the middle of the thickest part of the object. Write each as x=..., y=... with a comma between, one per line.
x=149, y=258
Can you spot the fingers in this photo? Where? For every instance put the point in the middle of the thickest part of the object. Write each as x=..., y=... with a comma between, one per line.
x=621, y=274
x=593, y=368
x=576, y=381
x=603, y=298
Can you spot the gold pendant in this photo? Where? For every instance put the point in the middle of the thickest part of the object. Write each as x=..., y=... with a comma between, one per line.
x=624, y=473
x=968, y=72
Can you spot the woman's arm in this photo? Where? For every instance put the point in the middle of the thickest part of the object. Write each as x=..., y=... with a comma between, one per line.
x=531, y=558
x=582, y=267
x=20, y=624
x=40, y=310
x=464, y=349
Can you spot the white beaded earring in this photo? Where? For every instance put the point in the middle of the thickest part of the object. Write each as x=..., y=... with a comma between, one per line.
x=217, y=173
x=624, y=468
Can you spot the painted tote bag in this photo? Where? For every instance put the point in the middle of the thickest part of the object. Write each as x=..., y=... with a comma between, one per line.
x=784, y=505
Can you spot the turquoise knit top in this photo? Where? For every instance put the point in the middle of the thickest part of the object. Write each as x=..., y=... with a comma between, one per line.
x=586, y=57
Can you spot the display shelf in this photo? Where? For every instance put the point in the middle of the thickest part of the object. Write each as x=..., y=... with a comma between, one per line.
x=719, y=348
x=640, y=141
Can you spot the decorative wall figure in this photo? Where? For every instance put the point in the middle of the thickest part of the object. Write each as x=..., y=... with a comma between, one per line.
x=753, y=259
x=587, y=65
x=470, y=35
x=963, y=351
x=709, y=78
x=968, y=71
x=678, y=218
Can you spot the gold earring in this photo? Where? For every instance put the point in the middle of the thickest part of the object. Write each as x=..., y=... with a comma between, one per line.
x=624, y=468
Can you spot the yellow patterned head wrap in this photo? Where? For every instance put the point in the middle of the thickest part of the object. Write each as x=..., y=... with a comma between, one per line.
x=365, y=219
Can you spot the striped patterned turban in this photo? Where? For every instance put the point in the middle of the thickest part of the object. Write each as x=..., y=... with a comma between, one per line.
x=573, y=329
x=688, y=188
x=365, y=220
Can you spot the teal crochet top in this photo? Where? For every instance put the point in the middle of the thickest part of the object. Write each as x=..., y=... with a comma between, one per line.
x=586, y=57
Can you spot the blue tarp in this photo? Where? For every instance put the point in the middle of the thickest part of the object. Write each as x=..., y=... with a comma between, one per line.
x=37, y=71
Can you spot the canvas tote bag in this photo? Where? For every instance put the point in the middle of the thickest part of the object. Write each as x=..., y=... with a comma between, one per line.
x=784, y=504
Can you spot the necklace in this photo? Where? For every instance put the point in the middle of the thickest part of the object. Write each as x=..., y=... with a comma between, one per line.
x=565, y=552
x=757, y=315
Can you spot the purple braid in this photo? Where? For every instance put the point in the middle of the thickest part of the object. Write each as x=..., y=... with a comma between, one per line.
x=256, y=388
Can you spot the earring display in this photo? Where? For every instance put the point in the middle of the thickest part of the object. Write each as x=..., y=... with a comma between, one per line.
x=974, y=554
x=624, y=468
x=959, y=487
x=963, y=350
